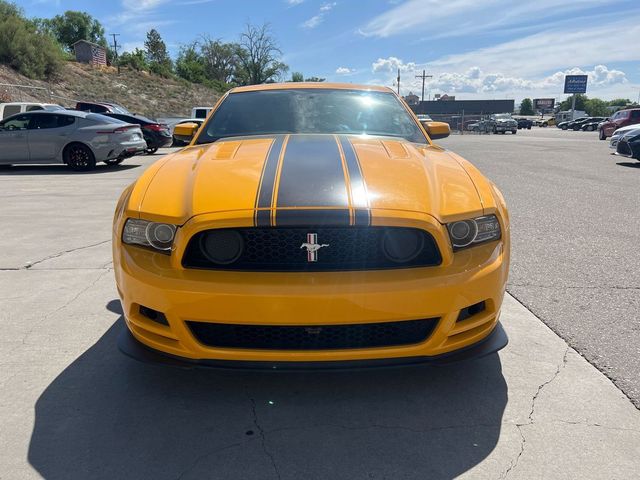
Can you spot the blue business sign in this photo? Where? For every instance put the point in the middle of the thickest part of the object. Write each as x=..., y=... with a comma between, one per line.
x=575, y=83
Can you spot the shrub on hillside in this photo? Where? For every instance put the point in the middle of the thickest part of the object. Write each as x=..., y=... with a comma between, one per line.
x=22, y=47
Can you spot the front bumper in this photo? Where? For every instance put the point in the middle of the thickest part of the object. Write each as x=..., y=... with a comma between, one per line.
x=158, y=281
x=495, y=341
x=628, y=149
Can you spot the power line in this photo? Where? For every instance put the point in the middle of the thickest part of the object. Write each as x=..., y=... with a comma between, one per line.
x=115, y=49
x=424, y=76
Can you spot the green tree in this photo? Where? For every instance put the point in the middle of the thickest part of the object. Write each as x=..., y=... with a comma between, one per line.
x=157, y=55
x=619, y=102
x=135, y=60
x=220, y=60
x=190, y=64
x=314, y=79
x=259, y=58
x=72, y=26
x=526, y=107
x=24, y=48
x=581, y=100
x=596, y=107
x=297, y=77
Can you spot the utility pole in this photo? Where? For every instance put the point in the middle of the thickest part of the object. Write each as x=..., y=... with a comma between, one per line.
x=424, y=76
x=398, y=81
x=115, y=49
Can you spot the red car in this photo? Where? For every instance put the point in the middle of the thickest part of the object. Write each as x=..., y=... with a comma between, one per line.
x=621, y=118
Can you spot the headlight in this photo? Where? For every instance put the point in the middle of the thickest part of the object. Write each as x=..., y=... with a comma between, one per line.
x=466, y=233
x=158, y=236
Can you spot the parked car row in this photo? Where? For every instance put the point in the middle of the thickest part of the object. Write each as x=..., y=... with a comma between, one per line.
x=587, y=124
x=92, y=132
x=497, y=123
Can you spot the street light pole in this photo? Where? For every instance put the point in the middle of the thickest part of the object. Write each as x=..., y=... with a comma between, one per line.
x=398, y=81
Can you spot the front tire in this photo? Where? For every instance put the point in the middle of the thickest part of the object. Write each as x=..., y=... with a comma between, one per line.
x=602, y=135
x=151, y=151
x=79, y=157
x=514, y=131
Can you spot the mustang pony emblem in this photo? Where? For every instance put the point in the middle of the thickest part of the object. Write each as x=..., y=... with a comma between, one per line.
x=312, y=247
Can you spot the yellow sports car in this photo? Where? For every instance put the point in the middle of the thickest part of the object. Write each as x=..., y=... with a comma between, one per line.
x=311, y=224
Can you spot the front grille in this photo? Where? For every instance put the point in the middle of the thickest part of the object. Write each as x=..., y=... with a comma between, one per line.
x=348, y=248
x=313, y=337
x=623, y=148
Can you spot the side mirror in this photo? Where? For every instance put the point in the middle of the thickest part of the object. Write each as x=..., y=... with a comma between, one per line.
x=436, y=130
x=186, y=131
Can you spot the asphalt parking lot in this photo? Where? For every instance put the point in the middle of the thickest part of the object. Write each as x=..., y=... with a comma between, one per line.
x=72, y=406
x=576, y=225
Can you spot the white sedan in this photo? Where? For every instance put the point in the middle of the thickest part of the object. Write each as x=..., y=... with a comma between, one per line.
x=79, y=139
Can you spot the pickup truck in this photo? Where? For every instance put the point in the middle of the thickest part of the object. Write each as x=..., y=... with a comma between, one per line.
x=504, y=123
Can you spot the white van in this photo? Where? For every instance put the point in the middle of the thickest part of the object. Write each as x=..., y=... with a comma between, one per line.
x=200, y=112
x=8, y=109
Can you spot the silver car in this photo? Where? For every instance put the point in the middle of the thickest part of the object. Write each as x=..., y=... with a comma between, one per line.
x=79, y=139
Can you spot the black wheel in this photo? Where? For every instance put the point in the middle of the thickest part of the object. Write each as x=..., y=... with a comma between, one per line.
x=564, y=127
x=514, y=131
x=151, y=151
x=602, y=136
x=114, y=161
x=529, y=127
x=79, y=157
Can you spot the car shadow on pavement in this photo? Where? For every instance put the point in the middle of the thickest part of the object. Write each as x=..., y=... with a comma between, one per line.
x=107, y=416
x=61, y=169
x=629, y=164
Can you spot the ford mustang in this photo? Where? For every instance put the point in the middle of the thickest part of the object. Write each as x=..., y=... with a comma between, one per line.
x=311, y=224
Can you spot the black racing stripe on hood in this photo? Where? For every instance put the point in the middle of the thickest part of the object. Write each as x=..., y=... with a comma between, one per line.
x=362, y=214
x=312, y=174
x=312, y=217
x=267, y=181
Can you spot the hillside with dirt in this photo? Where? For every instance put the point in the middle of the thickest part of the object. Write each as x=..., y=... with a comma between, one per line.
x=140, y=92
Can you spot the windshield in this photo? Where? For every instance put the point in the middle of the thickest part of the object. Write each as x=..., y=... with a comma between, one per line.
x=311, y=111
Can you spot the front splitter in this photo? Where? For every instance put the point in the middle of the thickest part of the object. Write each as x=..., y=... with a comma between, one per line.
x=133, y=348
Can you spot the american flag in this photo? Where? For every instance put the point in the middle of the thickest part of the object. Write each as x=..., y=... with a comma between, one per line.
x=98, y=56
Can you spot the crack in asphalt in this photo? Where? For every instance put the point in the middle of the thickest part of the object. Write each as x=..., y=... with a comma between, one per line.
x=519, y=426
x=29, y=265
x=263, y=438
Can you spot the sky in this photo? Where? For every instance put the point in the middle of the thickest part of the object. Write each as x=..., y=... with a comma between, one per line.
x=472, y=48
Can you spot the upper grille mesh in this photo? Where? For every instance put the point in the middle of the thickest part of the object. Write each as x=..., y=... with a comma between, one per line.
x=278, y=249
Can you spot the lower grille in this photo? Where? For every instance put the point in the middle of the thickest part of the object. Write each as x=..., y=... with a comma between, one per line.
x=313, y=337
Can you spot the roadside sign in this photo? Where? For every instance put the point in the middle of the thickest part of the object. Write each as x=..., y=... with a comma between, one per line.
x=575, y=83
x=543, y=103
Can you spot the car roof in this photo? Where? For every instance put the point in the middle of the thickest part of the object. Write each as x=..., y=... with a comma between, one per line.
x=318, y=85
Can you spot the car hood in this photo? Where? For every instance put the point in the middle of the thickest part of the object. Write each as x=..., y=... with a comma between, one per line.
x=294, y=175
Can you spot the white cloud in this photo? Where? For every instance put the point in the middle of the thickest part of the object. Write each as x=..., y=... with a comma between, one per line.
x=345, y=70
x=313, y=22
x=461, y=17
x=391, y=64
x=293, y=3
x=475, y=81
x=317, y=19
x=543, y=52
x=327, y=6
